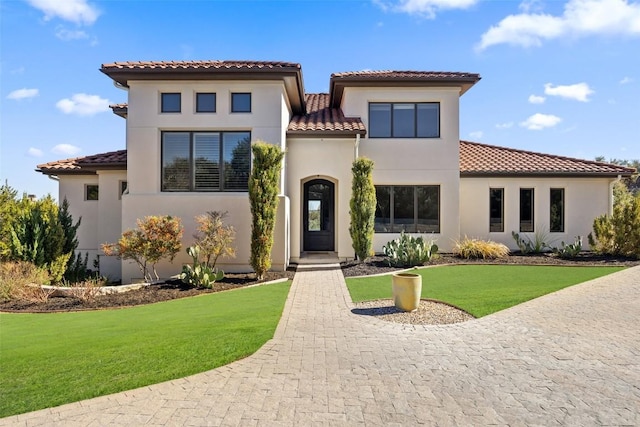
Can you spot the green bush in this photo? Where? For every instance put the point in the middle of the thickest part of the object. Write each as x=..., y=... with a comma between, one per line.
x=363, y=208
x=479, y=249
x=409, y=251
x=619, y=234
x=263, y=198
x=571, y=250
x=539, y=244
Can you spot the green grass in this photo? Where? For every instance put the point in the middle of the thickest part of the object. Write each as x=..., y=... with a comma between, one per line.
x=482, y=289
x=51, y=359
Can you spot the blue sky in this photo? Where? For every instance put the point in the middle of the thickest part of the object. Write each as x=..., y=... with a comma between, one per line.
x=559, y=77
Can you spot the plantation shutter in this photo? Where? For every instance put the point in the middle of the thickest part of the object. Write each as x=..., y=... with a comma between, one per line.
x=206, y=153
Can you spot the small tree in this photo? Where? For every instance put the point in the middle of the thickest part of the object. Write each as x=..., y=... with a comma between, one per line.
x=263, y=197
x=214, y=238
x=619, y=234
x=155, y=237
x=363, y=208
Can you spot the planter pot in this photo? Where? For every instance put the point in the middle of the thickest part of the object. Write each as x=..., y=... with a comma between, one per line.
x=407, y=288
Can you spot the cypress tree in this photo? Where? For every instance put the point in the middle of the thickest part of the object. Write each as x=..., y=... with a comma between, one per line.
x=363, y=207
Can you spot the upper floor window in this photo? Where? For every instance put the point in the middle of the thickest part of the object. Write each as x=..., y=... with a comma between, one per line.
x=526, y=210
x=556, y=214
x=205, y=102
x=404, y=120
x=407, y=208
x=240, y=102
x=206, y=161
x=170, y=102
x=91, y=192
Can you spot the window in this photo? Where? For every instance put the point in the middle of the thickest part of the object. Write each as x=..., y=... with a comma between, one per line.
x=526, y=209
x=205, y=102
x=407, y=208
x=496, y=210
x=240, y=102
x=91, y=192
x=404, y=120
x=206, y=161
x=123, y=189
x=556, y=214
x=170, y=103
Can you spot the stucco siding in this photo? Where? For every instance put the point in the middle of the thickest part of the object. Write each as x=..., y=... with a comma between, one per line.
x=72, y=187
x=585, y=198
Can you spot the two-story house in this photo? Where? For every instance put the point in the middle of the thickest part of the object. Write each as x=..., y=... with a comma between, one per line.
x=190, y=126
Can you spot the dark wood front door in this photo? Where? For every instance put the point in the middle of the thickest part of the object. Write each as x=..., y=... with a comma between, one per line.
x=318, y=216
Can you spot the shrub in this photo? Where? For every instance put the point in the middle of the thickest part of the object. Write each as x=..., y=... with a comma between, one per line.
x=156, y=237
x=409, y=251
x=619, y=234
x=263, y=198
x=15, y=276
x=571, y=250
x=213, y=238
x=87, y=290
x=200, y=274
x=476, y=249
x=537, y=245
x=363, y=208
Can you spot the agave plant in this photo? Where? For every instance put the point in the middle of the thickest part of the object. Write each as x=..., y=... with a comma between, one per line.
x=409, y=251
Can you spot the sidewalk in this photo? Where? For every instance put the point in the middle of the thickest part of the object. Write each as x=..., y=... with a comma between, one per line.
x=572, y=357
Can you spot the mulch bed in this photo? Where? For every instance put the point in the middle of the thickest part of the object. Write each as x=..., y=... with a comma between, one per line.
x=375, y=265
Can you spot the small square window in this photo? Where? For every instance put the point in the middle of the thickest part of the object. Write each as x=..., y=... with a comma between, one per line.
x=91, y=192
x=240, y=102
x=170, y=103
x=205, y=102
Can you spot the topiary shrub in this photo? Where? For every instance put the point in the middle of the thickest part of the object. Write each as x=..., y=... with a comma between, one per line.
x=363, y=208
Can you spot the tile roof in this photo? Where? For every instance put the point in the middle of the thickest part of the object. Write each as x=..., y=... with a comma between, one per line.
x=120, y=109
x=201, y=65
x=87, y=164
x=475, y=160
x=406, y=75
x=486, y=160
x=321, y=118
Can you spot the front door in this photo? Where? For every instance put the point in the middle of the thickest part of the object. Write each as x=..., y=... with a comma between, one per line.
x=318, y=216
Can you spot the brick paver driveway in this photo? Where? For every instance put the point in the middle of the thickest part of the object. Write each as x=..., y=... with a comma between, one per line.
x=569, y=358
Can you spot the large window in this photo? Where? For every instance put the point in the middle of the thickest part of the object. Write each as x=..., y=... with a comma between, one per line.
x=407, y=208
x=526, y=210
x=240, y=102
x=404, y=120
x=496, y=210
x=556, y=214
x=206, y=161
x=170, y=102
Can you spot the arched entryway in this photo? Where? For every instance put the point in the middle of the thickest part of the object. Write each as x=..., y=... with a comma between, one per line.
x=318, y=216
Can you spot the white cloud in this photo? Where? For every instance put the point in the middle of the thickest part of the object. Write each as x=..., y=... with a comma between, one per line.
x=580, y=18
x=77, y=11
x=65, y=149
x=535, y=99
x=23, y=93
x=506, y=125
x=540, y=121
x=426, y=8
x=476, y=134
x=34, y=152
x=66, y=34
x=83, y=104
x=579, y=91
x=626, y=80
x=529, y=6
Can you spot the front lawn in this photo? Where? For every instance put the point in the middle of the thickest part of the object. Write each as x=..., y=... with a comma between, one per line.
x=52, y=359
x=482, y=289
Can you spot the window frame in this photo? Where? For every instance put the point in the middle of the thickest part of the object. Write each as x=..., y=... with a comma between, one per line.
x=122, y=189
x=415, y=120
x=562, y=210
x=192, y=175
x=233, y=106
x=532, y=210
x=414, y=227
x=162, y=103
x=215, y=103
x=500, y=227
x=86, y=192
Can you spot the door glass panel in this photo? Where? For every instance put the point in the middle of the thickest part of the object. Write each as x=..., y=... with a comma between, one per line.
x=315, y=207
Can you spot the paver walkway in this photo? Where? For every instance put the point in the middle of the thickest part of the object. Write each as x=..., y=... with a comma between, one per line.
x=569, y=358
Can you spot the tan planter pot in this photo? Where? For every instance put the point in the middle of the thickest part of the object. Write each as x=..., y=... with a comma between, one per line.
x=407, y=288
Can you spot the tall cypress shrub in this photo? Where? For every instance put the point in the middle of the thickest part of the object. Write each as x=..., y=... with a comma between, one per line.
x=263, y=197
x=363, y=207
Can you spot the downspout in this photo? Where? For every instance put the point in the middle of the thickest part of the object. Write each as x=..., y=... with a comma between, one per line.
x=355, y=147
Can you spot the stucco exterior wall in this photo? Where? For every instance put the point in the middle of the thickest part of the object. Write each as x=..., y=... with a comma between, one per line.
x=585, y=198
x=324, y=158
x=73, y=188
x=415, y=161
x=110, y=218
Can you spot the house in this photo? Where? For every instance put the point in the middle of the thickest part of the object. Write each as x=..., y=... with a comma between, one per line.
x=189, y=126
